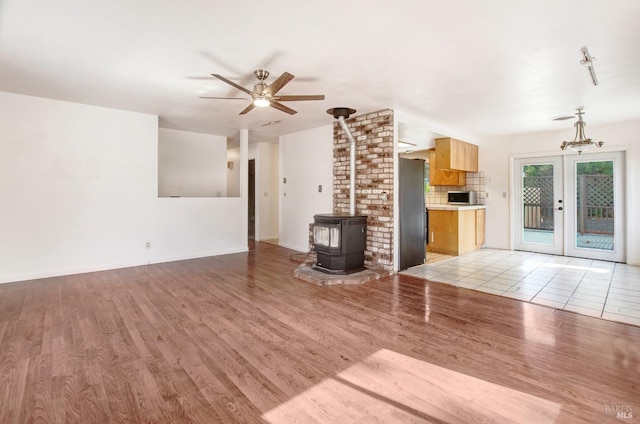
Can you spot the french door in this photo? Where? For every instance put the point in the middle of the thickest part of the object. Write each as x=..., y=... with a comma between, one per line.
x=595, y=214
x=571, y=205
x=539, y=205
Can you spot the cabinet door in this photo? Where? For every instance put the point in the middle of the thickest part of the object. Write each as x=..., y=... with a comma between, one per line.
x=466, y=231
x=480, y=222
x=443, y=232
x=439, y=177
x=452, y=154
x=471, y=157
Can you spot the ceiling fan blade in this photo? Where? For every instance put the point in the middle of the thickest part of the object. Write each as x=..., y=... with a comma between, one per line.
x=231, y=83
x=277, y=85
x=199, y=78
x=247, y=109
x=283, y=108
x=299, y=98
x=224, y=98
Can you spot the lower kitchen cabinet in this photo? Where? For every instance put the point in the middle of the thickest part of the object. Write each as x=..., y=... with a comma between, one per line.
x=480, y=220
x=456, y=232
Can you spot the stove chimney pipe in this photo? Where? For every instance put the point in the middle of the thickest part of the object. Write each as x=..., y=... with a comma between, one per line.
x=342, y=113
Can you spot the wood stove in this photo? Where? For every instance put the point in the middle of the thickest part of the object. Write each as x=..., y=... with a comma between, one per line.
x=339, y=241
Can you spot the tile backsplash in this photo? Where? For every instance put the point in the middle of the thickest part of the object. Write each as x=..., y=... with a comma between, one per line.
x=475, y=182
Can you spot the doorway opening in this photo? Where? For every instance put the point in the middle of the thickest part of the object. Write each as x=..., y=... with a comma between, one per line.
x=251, y=224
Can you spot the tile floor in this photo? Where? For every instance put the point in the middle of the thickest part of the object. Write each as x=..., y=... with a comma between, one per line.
x=437, y=257
x=601, y=289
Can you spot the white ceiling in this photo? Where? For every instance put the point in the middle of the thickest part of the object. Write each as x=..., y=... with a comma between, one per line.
x=484, y=67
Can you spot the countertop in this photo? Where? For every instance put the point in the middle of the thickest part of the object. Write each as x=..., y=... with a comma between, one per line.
x=443, y=207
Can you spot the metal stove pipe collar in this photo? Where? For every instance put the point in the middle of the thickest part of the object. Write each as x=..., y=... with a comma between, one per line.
x=341, y=113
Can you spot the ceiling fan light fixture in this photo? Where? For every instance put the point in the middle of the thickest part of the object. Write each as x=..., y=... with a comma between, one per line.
x=261, y=102
x=580, y=142
x=264, y=94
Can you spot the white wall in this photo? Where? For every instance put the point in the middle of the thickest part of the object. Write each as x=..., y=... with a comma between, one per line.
x=493, y=158
x=79, y=193
x=306, y=161
x=267, y=184
x=496, y=154
x=191, y=164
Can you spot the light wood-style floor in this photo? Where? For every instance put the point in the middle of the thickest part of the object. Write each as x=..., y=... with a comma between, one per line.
x=236, y=338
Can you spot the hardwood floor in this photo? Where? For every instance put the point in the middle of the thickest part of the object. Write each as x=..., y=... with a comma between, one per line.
x=236, y=338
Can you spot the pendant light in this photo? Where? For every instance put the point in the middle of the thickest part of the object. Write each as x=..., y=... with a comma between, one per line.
x=580, y=142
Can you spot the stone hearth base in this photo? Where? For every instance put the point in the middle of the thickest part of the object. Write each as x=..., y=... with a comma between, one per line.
x=305, y=273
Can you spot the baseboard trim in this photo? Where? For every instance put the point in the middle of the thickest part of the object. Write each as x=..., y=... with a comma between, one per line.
x=107, y=267
x=297, y=248
x=185, y=257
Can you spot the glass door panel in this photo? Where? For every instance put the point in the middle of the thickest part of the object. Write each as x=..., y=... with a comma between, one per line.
x=539, y=205
x=596, y=211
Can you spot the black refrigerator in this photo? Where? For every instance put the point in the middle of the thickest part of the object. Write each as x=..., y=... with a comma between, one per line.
x=412, y=213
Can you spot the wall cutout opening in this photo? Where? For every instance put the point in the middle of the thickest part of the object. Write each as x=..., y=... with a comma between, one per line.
x=197, y=165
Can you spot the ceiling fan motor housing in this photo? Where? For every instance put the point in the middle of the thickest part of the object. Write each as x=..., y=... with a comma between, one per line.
x=259, y=88
x=261, y=74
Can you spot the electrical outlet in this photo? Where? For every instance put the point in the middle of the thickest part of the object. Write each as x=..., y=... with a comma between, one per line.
x=148, y=245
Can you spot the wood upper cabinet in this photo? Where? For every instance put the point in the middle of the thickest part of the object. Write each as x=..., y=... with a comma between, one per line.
x=439, y=177
x=452, y=154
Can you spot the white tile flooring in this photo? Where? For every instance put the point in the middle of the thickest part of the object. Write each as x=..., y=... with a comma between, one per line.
x=601, y=289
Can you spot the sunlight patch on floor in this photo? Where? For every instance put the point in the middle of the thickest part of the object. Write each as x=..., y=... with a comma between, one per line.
x=390, y=387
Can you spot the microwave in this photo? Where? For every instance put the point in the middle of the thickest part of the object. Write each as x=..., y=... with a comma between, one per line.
x=461, y=198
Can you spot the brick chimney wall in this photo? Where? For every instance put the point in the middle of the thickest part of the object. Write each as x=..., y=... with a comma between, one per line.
x=373, y=133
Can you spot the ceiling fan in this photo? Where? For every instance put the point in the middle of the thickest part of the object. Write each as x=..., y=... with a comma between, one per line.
x=264, y=94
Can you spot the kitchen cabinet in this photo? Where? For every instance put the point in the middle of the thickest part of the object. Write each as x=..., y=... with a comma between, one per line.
x=439, y=177
x=452, y=154
x=480, y=223
x=456, y=232
x=443, y=231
